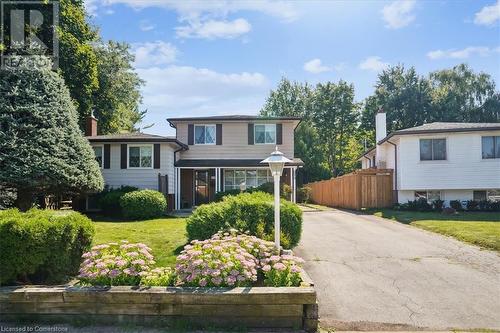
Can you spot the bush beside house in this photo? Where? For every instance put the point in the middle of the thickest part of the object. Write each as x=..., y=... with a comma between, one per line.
x=143, y=204
x=422, y=205
x=42, y=246
x=252, y=212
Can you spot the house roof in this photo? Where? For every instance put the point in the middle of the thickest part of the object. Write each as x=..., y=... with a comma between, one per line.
x=228, y=163
x=442, y=127
x=134, y=137
x=439, y=127
x=172, y=121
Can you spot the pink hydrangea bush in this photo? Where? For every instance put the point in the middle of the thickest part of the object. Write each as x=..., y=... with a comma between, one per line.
x=282, y=271
x=216, y=262
x=115, y=264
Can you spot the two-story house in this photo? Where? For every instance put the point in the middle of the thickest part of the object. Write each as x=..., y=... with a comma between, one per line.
x=447, y=161
x=207, y=155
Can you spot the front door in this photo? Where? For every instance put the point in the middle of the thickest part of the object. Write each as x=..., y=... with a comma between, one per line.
x=201, y=187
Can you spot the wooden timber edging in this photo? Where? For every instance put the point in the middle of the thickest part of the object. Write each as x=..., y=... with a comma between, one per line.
x=366, y=188
x=244, y=307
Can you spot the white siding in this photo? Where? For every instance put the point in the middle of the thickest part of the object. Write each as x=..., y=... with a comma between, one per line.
x=464, y=168
x=141, y=178
x=235, y=143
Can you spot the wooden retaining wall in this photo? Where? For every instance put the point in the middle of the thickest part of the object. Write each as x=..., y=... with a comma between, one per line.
x=367, y=188
x=252, y=307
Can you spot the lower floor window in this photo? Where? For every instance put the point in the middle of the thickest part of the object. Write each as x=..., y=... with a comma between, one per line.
x=430, y=196
x=243, y=179
x=490, y=195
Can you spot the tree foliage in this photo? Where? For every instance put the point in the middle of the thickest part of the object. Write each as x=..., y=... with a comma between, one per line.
x=335, y=129
x=117, y=100
x=42, y=151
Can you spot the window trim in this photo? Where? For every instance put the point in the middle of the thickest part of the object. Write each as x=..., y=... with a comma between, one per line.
x=265, y=143
x=102, y=156
x=432, y=149
x=205, y=144
x=245, y=170
x=494, y=147
x=140, y=145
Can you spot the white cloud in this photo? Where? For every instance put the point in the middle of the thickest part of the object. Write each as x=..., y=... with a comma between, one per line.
x=314, y=66
x=212, y=29
x=488, y=15
x=154, y=53
x=210, y=17
x=373, y=64
x=184, y=90
x=399, y=13
x=91, y=6
x=283, y=10
x=465, y=53
x=145, y=25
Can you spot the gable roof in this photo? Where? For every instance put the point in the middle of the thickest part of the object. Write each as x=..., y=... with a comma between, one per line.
x=172, y=121
x=443, y=127
x=134, y=137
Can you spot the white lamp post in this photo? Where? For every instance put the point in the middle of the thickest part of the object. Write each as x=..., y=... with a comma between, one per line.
x=276, y=163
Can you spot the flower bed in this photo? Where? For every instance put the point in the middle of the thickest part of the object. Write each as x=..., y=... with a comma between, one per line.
x=225, y=260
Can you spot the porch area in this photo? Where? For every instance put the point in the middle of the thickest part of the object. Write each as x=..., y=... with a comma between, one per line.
x=198, y=181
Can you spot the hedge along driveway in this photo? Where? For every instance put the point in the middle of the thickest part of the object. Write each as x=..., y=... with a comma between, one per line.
x=165, y=236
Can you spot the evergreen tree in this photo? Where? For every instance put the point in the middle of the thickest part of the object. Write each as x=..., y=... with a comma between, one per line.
x=42, y=150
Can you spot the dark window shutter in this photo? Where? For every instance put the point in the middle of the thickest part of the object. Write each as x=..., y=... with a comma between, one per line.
x=156, y=156
x=123, y=156
x=107, y=155
x=218, y=133
x=191, y=134
x=279, y=134
x=250, y=134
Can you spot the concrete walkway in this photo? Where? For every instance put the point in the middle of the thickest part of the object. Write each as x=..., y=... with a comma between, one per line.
x=376, y=274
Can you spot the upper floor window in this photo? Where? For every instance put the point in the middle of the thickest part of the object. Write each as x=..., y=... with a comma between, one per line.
x=204, y=134
x=265, y=133
x=98, y=154
x=432, y=149
x=490, y=146
x=140, y=156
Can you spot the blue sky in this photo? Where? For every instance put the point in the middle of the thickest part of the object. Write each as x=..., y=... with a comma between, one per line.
x=222, y=57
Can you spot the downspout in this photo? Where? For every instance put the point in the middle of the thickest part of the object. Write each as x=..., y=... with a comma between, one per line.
x=369, y=161
x=395, y=168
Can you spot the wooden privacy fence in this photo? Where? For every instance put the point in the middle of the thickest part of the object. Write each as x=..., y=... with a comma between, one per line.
x=367, y=188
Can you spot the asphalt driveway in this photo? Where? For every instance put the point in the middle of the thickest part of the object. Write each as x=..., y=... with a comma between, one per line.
x=375, y=274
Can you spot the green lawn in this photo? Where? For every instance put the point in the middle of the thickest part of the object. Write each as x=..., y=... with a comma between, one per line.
x=165, y=236
x=482, y=229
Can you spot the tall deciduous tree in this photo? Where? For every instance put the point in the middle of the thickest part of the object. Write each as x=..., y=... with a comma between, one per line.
x=294, y=99
x=117, y=100
x=78, y=60
x=42, y=150
x=461, y=95
x=335, y=115
x=403, y=95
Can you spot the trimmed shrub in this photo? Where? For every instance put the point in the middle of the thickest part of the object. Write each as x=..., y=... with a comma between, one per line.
x=456, y=204
x=420, y=205
x=109, y=199
x=304, y=194
x=438, y=205
x=42, y=246
x=143, y=204
x=472, y=205
x=252, y=212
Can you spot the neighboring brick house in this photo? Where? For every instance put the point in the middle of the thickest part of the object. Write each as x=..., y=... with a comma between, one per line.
x=207, y=155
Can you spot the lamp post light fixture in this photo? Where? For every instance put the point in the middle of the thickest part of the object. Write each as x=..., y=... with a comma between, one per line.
x=276, y=163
